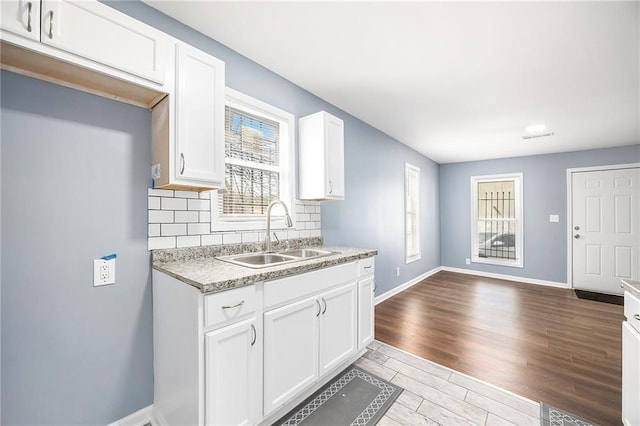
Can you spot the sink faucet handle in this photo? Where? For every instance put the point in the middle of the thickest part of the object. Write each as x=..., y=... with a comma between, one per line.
x=276, y=237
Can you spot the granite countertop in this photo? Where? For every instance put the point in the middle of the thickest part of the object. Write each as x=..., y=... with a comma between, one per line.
x=632, y=287
x=211, y=275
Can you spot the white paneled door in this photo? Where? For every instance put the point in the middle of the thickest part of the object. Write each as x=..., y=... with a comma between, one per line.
x=605, y=228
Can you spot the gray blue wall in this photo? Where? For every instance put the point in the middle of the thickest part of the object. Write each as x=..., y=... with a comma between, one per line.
x=75, y=171
x=545, y=193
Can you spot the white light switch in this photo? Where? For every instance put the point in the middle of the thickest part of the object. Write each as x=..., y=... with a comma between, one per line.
x=554, y=218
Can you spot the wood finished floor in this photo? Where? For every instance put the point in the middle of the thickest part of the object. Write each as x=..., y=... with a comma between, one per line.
x=540, y=342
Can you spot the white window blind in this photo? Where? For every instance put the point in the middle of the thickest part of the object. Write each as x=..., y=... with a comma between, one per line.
x=412, y=213
x=252, y=173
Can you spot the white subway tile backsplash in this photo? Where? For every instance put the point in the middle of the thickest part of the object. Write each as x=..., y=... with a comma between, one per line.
x=211, y=239
x=183, y=219
x=173, y=203
x=198, y=228
x=186, y=216
x=153, y=203
x=303, y=217
x=199, y=204
x=231, y=238
x=190, y=241
x=186, y=194
x=160, y=192
x=154, y=229
x=167, y=229
x=250, y=237
x=161, y=243
x=160, y=216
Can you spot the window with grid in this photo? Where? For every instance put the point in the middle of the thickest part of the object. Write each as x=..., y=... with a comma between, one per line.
x=258, y=153
x=497, y=219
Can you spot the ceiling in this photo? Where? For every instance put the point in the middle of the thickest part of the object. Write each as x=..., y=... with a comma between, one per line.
x=456, y=81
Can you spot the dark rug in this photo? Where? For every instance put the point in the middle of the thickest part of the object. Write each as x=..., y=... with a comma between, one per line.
x=552, y=416
x=600, y=297
x=354, y=397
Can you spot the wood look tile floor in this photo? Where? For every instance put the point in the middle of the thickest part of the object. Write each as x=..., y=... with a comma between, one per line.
x=437, y=395
x=539, y=342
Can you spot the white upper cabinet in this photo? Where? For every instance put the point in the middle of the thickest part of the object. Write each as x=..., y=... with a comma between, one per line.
x=321, y=158
x=21, y=17
x=97, y=32
x=188, y=127
x=200, y=116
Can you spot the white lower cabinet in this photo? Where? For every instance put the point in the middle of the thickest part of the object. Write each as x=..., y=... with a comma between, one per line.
x=247, y=355
x=232, y=379
x=366, y=294
x=631, y=361
x=338, y=328
x=290, y=351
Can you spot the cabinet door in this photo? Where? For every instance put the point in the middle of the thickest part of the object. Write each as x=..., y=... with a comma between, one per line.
x=199, y=117
x=290, y=351
x=21, y=17
x=338, y=332
x=630, y=375
x=365, y=311
x=97, y=32
x=232, y=375
x=334, y=152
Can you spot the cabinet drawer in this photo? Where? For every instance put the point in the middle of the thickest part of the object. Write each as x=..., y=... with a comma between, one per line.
x=632, y=310
x=366, y=266
x=226, y=306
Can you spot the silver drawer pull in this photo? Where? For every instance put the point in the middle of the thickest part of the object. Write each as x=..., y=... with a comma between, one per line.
x=637, y=316
x=367, y=267
x=51, y=24
x=234, y=306
x=29, y=6
x=255, y=335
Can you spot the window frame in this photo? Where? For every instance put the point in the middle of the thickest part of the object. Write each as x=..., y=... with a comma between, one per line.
x=518, y=179
x=256, y=107
x=411, y=257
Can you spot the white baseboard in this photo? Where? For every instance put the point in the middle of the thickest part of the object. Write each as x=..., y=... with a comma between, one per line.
x=506, y=277
x=406, y=285
x=139, y=418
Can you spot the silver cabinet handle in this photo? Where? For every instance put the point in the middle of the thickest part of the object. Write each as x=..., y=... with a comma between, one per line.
x=375, y=286
x=576, y=236
x=637, y=316
x=319, y=308
x=51, y=24
x=181, y=163
x=330, y=187
x=325, y=306
x=29, y=6
x=367, y=267
x=234, y=306
x=255, y=335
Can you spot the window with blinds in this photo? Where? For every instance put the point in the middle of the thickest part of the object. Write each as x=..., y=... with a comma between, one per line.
x=252, y=173
x=496, y=222
x=258, y=164
x=412, y=216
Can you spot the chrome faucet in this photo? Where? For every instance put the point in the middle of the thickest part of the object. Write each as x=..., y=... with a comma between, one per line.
x=287, y=221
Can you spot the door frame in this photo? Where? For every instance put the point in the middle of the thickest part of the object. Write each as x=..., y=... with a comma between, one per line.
x=570, y=173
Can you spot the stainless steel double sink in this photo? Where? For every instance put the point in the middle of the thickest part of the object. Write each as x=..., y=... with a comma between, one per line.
x=264, y=260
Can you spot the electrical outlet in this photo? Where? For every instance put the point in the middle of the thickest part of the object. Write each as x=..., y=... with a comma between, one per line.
x=397, y=272
x=104, y=272
x=467, y=261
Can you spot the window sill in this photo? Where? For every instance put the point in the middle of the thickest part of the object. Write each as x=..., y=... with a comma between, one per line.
x=497, y=262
